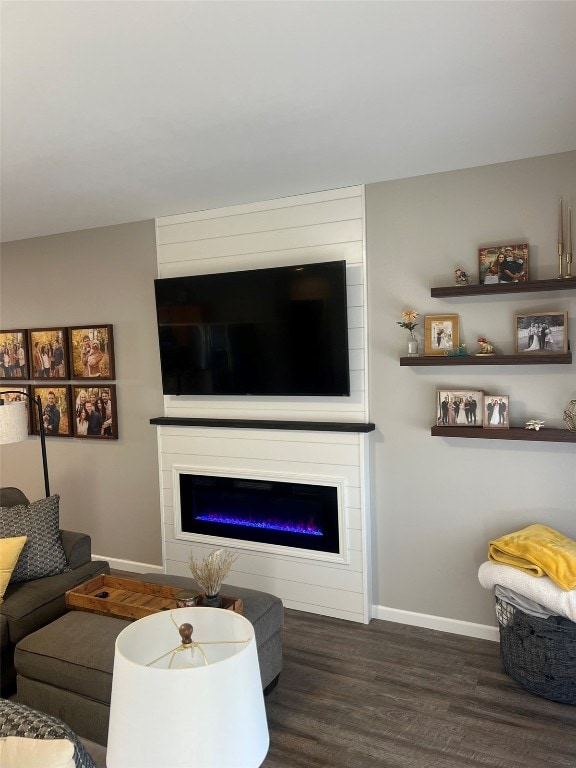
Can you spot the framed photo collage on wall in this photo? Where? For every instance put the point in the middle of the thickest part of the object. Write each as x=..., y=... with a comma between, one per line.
x=70, y=369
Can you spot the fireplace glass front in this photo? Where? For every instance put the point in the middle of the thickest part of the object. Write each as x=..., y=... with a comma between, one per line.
x=287, y=514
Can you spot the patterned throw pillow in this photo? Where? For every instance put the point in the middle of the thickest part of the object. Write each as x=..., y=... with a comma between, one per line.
x=43, y=554
x=20, y=720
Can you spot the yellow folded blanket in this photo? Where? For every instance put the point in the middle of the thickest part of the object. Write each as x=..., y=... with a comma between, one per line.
x=540, y=551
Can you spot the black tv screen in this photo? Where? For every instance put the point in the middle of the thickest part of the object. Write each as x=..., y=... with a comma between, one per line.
x=275, y=331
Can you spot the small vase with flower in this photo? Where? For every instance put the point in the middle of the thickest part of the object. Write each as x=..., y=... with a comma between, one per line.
x=408, y=318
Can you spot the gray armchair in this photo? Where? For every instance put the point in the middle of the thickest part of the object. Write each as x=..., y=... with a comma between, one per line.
x=30, y=605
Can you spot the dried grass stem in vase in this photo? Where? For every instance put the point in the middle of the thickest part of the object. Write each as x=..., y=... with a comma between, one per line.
x=212, y=570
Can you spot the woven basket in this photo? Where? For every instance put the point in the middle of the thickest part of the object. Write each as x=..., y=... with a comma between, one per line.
x=540, y=654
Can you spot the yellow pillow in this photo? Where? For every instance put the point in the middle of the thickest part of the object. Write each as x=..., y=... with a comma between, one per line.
x=23, y=752
x=9, y=553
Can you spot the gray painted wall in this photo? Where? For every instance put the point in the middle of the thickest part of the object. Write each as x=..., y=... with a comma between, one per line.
x=110, y=490
x=437, y=502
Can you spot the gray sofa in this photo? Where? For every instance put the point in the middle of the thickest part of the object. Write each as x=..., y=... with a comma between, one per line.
x=30, y=605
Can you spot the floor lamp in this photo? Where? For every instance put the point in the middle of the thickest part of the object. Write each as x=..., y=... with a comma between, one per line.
x=14, y=424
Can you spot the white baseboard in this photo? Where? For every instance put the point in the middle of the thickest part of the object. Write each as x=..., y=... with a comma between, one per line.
x=455, y=626
x=129, y=565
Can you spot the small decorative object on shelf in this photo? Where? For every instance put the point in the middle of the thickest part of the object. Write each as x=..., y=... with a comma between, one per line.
x=486, y=347
x=186, y=598
x=535, y=424
x=460, y=277
x=560, y=243
x=569, y=275
x=211, y=572
x=408, y=318
x=460, y=351
x=570, y=416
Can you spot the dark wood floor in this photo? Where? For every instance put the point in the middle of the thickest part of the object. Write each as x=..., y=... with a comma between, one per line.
x=388, y=695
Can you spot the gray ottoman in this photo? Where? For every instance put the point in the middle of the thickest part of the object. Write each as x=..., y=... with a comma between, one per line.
x=65, y=668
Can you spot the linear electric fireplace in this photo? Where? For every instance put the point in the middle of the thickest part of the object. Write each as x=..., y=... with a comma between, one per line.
x=288, y=514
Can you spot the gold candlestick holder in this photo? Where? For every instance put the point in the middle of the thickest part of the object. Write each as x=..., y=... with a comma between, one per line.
x=560, y=261
x=569, y=275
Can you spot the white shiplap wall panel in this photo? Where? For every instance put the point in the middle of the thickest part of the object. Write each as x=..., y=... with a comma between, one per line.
x=251, y=452
x=310, y=198
x=205, y=462
x=312, y=600
x=355, y=317
x=246, y=446
x=356, y=339
x=282, y=218
x=351, y=253
x=321, y=226
x=280, y=568
x=253, y=408
x=268, y=435
x=356, y=360
x=355, y=297
x=265, y=242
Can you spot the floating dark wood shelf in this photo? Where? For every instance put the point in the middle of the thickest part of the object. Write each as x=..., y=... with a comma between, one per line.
x=309, y=426
x=544, y=435
x=529, y=358
x=500, y=288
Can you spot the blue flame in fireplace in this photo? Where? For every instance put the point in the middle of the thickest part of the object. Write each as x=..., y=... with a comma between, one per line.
x=272, y=525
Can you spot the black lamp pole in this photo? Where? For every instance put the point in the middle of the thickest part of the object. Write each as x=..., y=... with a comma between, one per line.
x=38, y=402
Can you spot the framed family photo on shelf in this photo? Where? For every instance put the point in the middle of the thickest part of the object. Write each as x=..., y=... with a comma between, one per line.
x=545, y=332
x=92, y=352
x=95, y=414
x=459, y=407
x=48, y=353
x=496, y=412
x=14, y=359
x=441, y=334
x=12, y=397
x=56, y=410
x=503, y=264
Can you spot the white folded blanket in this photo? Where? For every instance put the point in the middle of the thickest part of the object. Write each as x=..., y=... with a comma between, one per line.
x=541, y=589
x=531, y=607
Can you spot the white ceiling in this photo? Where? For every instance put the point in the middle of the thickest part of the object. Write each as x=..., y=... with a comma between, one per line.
x=122, y=111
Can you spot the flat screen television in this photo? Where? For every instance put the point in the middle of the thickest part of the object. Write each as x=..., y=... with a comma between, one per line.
x=275, y=331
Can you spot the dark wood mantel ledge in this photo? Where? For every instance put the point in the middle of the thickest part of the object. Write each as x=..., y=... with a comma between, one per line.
x=309, y=426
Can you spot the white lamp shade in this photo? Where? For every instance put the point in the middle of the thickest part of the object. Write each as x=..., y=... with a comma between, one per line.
x=187, y=716
x=13, y=422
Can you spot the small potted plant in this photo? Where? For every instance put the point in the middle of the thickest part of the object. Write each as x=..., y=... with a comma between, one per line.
x=211, y=572
x=408, y=318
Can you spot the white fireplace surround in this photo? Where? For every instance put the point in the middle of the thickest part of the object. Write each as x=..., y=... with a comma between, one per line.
x=321, y=226
x=303, y=580
x=275, y=549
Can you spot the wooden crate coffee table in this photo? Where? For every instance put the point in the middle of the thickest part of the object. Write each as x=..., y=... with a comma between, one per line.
x=130, y=598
